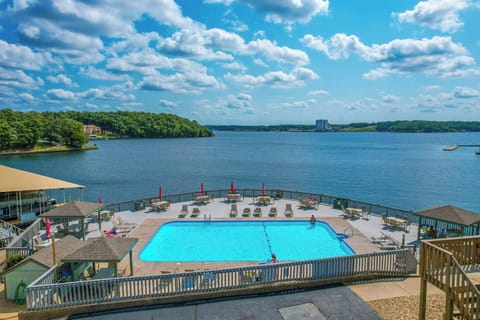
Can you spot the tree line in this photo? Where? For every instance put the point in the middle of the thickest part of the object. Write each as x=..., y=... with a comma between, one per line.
x=19, y=130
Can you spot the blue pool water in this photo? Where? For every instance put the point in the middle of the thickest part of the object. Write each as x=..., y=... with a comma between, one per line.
x=243, y=241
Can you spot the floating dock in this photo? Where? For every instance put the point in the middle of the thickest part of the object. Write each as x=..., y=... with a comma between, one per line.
x=456, y=146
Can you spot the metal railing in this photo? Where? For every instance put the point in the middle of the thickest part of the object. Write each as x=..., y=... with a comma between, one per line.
x=45, y=294
x=335, y=201
x=444, y=263
x=24, y=240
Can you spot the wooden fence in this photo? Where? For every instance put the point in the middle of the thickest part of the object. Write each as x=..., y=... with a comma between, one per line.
x=445, y=263
x=46, y=294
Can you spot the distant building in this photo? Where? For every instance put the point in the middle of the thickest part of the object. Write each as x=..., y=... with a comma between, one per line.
x=92, y=129
x=322, y=125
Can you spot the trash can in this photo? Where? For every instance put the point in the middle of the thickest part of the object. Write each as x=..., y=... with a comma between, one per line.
x=139, y=205
x=337, y=203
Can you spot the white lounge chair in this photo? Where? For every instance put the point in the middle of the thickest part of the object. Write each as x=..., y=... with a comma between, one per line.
x=233, y=211
x=184, y=211
x=288, y=210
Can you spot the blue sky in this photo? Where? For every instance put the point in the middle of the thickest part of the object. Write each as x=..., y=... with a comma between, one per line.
x=244, y=61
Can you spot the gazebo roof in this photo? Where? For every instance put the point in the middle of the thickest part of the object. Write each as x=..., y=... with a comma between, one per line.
x=63, y=247
x=75, y=209
x=102, y=249
x=14, y=180
x=451, y=214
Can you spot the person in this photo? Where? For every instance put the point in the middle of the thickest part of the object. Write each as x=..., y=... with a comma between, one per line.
x=431, y=233
x=312, y=219
x=274, y=258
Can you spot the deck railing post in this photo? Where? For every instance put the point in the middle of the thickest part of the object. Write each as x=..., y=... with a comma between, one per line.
x=423, y=283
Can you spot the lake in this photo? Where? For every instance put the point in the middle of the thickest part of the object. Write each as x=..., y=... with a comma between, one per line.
x=405, y=170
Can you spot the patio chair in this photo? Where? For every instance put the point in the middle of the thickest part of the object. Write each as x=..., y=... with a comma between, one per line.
x=233, y=211
x=122, y=222
x=195, y=212
x=273, y=212
x=184, y=211
x=257, y=212
x=246, y=212
x=288, y=210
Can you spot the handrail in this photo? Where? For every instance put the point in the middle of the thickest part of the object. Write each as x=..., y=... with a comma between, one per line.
x=51, y=295
x=443, y=263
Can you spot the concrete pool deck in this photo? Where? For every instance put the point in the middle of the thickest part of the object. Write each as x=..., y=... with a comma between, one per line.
x=149, y=221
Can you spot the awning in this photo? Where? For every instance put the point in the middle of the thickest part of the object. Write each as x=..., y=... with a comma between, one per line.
x=14, y=180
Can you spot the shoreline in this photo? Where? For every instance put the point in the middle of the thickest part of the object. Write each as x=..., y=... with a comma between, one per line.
x=48, y=150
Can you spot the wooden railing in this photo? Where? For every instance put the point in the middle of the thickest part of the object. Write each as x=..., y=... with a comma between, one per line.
x=444, y=263
x=44, y=294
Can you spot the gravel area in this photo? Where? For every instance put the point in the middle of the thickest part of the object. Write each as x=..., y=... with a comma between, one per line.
x=407, y=308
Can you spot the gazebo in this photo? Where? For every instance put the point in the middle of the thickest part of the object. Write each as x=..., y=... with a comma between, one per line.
x=106, y=250
x=76, y=210
x=454, y=220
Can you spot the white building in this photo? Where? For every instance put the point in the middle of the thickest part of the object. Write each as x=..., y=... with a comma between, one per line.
x=322, y=125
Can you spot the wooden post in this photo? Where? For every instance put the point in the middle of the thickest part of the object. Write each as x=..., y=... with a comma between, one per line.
x=448, y=281
x=423, y=284
x=54, y=251
x=131, y=262
x=99, y=223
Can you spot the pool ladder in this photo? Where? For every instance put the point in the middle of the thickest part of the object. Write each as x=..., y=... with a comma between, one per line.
x=346, y=231
x=209, y=217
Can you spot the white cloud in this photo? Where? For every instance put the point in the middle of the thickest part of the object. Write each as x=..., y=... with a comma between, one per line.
x=437, y=57
x=390, y=98
x=184, y=83
x=302, y=104
x=241, y=102
x=18, y=79
x=465, y=93
x=285, y=11
x=440, y=15
x=117, y=92
x=60, y=94
x=21, y=57
x=234, y=66
x=63, y=79
x=318, y=93
x=276, y=79
x=101, y=74
x=167, y=103
x=276, y=53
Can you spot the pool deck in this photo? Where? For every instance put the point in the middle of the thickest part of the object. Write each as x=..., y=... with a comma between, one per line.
x=149, y=221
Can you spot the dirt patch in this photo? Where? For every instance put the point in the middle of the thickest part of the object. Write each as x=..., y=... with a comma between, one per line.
x=407, y=308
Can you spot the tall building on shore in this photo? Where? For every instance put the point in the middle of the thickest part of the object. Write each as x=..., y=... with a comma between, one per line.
x=322, y=125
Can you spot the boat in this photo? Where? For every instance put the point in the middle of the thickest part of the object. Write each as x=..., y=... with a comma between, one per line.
x=477, y=151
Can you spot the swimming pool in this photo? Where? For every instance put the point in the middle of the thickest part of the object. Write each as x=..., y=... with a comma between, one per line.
x=196, y=241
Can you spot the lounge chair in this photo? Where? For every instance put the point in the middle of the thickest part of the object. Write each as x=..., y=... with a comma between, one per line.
x=246, y=212
x=184, y=211
x=42, y=242
x=273, y=212
x=122, y=222
x=233, y=211
x=195, y=212
x=118, y=226
x=288, y=210
x=257, y=212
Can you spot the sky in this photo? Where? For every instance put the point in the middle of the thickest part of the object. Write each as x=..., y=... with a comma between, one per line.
x=244, y=62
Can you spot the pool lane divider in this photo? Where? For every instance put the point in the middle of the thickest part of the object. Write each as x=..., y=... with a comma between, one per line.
x=268, y=239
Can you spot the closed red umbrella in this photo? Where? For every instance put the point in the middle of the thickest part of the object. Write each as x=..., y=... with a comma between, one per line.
x=48, y=233
x=202, y=189
x=100, y=200
x=232, y=187
x=263, y=188
x=160, y=193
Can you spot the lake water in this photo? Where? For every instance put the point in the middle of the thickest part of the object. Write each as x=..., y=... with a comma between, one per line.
x=408, y=171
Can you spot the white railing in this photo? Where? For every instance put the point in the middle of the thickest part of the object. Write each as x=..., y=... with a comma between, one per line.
x=43, y=294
